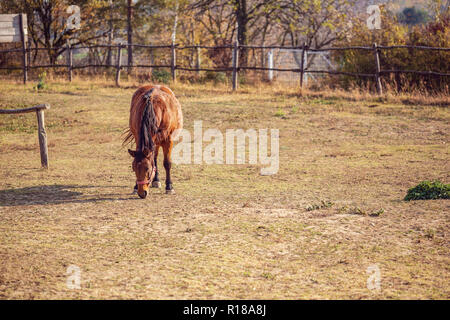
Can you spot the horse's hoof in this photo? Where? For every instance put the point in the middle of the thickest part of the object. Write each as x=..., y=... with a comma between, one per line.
x=156, y=184
x=171, y=191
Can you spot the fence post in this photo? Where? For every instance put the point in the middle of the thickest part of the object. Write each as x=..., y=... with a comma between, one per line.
x=302, y=64
x=118, y=66
x=377, y=69
x=173, y=62
x=198, y=61
x=69, y=60
x=42, y=135
x=235, y=65
x=270, y=64
x=23, y=38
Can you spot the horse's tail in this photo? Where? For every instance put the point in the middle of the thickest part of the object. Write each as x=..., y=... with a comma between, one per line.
x=148, y=123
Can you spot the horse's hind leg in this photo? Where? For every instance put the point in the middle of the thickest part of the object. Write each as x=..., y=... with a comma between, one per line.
x=155, y=182
x=167, y=148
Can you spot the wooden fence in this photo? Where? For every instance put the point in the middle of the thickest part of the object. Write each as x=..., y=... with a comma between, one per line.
x=42, y=135
x=235, y=68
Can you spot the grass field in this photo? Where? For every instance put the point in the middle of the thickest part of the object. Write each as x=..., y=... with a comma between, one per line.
x=312, y=230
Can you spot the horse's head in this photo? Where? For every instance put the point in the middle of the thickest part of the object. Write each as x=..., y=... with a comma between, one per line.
x=144, y=167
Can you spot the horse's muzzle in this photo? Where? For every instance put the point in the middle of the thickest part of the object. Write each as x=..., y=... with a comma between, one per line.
x=143, y=195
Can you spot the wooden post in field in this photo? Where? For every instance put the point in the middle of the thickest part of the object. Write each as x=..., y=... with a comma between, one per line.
x=198, y=60
x=234, y=79
x=69, y=61
x=377, y=69
x=270, y=65
x=42, y=135
x=24, y=39
x=303, y=65
x=173, y=62
x=118, y=66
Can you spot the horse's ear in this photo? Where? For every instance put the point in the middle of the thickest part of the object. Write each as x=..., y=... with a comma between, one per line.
x=146, y=152
x=132, y=153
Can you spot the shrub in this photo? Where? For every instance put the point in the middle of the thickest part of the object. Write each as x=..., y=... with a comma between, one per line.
x=321, y=205
x=217, y=77
x=434, y=34
x=429, y=190
x=242, y=80
x=161, y=75
x=41, y=85
x=412, y=16
x=280, y=113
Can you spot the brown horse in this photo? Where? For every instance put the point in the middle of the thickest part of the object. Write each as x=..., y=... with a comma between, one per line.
x=155, y=121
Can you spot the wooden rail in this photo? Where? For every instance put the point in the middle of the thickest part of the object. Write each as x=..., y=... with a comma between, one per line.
x=42, y=135
x=235, y=67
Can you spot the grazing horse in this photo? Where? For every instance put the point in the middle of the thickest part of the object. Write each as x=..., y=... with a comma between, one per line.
x=155, y=121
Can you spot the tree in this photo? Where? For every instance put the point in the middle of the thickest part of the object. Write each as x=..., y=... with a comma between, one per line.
x=130, y=32
x=316, y=22
x=142, y=17
x=240, y=17
x=433, y=34
x=48, y=22
x=412, y=16
x=438, y=8
x=111, y=32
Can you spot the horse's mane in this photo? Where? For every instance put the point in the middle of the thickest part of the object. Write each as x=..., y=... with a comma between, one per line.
x=148, y=125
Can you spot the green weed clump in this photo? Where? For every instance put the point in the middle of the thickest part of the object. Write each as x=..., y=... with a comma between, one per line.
x=280, y=113
x=161, y=76
x=41, y=85
x=427, y=190
x=216, y=77
x=321, y=205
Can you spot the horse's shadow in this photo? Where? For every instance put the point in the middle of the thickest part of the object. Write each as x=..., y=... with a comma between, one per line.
x=54, y=194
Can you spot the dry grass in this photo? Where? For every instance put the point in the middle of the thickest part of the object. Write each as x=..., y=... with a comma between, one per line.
x=334, y=208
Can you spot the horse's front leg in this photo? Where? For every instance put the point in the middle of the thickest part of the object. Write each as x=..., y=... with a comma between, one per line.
x=155, y=182
x=167, y=148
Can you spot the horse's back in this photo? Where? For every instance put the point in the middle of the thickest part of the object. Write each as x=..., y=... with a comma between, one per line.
x=141, y=91
x=167, y=110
